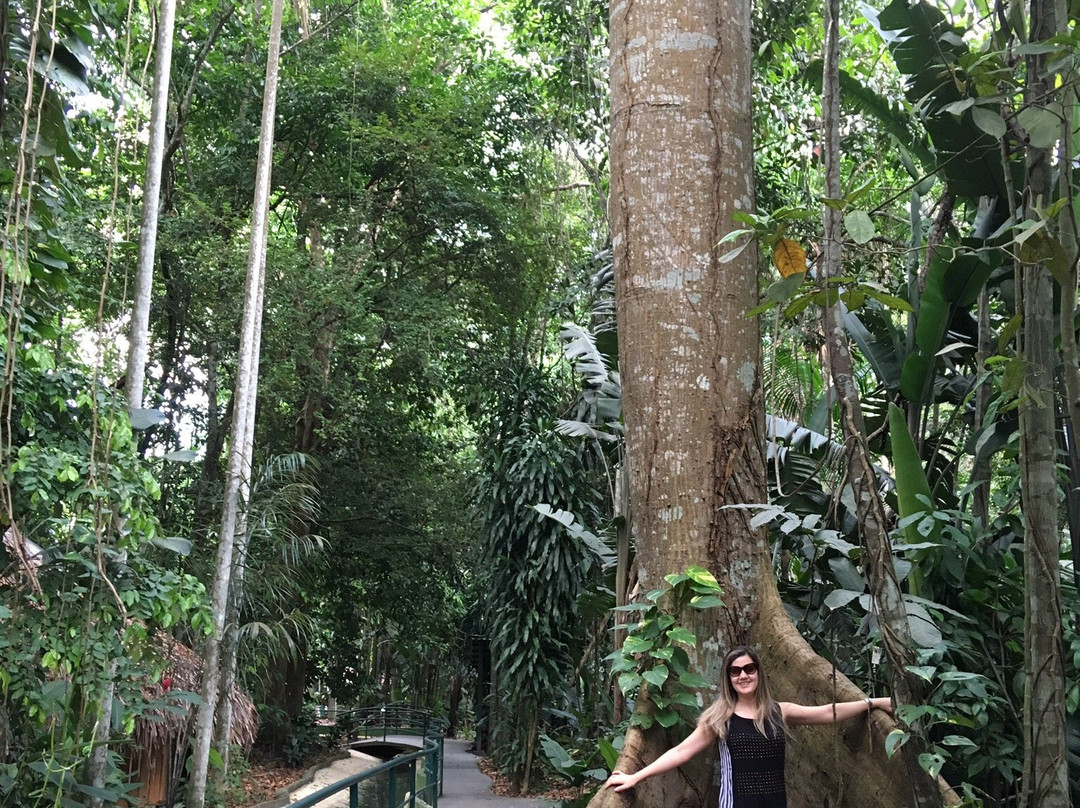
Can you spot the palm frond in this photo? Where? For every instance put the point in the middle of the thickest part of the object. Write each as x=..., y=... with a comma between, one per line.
x=579, y=346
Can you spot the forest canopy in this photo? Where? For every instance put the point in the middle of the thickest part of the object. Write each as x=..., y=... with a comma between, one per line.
x=345, y=403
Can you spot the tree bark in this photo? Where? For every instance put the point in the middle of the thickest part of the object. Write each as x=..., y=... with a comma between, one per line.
x=240, y=449
x=690, y=362
x=622, y=565
x=980, y=472
x=210, y=472
x=231, y=636
x=144, y=272
x=885, y=592
x=1045, y=778
x=139, y=333
x=1070, y=351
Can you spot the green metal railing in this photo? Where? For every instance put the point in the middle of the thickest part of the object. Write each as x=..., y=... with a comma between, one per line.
x=407, y=781
x=399, y=719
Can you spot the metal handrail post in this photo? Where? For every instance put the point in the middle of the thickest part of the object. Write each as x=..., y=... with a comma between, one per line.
x=434, y=781
x=391, y=792
x=354, y=795
x=412, y=789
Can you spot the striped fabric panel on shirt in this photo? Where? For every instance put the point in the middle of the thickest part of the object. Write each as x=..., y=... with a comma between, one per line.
x=726, y=786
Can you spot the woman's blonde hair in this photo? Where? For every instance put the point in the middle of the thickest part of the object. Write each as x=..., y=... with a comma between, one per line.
x=716, y=715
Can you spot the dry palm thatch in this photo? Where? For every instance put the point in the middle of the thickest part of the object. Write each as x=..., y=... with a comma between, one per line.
x=167, y=720
x=163, y=731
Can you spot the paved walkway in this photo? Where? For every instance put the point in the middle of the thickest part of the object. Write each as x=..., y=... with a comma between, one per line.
x=329, y=774
x=464, y=785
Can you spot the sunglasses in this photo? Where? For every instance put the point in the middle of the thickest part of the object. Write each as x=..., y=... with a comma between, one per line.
x=739, y=670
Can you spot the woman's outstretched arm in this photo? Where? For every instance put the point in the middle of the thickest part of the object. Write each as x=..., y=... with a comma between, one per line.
x=695, y=743
x=829, y=713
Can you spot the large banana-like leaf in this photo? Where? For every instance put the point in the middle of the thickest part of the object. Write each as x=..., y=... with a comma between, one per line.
x=928, y=50
x=953, y=283
x=806, y=459
x=922, y=42
x=579, y=346
x=880, y=344
x=912, y=490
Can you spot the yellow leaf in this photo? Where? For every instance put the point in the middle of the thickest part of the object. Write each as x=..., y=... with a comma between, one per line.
x=789, y=257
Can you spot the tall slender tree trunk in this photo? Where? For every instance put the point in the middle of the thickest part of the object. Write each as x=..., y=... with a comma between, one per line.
x=1070, y=351
x=230, y=650
x=881, y=572
x=210, y=471
x=1045, y=780
x=144, y=272
x=622, y=564
x=231, y=638
x=690, y=360
x=139, y=333
x=980, y=472
x=240, y=449
x=1045, y=783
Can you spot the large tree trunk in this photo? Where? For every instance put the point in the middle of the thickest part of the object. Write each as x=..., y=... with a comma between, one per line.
x=690, y=361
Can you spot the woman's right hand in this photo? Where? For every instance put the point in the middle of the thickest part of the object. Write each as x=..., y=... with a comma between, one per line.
x=621, y=781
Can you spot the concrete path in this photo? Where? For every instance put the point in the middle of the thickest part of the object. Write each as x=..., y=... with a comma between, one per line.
x=329, y=774
x=464, y=785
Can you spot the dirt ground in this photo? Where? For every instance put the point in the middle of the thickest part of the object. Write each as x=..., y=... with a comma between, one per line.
x=553, y=789
x=264, y=778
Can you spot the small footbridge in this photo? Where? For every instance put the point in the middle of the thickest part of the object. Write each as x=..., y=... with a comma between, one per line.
x=389, y=730
x=421, y=763
x=410, y=741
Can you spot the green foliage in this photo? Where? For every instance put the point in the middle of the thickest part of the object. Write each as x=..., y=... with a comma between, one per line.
x=959, y=717
x=568, y=765
x=791, y=293
x=654, y=652
x=970, y=621
x=239, y=770
x=83, y=613
x=953, y=283
x=573, y=764
x=566, y=41
x=534, y=571
x=926, y=46
x=886, y=111
x=302, y=737
x=424, y=218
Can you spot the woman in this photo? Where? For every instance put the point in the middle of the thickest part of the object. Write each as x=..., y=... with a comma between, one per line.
x=750, y=728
